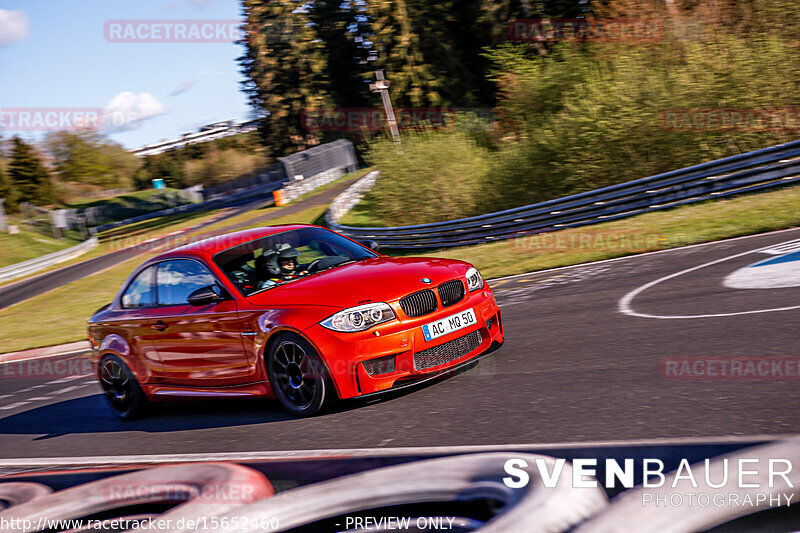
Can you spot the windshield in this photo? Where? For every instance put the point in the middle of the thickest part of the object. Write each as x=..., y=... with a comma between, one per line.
x=284, y=257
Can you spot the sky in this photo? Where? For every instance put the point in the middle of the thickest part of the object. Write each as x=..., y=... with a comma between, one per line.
x=77, y=57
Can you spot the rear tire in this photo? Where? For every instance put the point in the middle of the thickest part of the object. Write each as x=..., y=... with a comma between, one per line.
x=298, y=376
x=122, y=392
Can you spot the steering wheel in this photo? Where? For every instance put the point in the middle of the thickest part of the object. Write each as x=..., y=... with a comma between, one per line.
x=313, y=266
x=325, y=262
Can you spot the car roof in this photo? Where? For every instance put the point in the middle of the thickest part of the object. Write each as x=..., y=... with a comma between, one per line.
x=212, y=245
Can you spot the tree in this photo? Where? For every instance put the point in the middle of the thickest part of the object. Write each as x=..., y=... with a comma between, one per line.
x=398, y=51
x=87, y=157
x=7, y=191
x=29, y=177
x=340, y=26
x=167, y=166
x=284, y=66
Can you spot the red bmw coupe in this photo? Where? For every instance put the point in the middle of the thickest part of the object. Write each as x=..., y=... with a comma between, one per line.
x=298, y=313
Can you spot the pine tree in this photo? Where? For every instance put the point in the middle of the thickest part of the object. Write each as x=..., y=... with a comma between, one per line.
x=7, y=192
x=284, y=66
x=340, y=26
x=29, y=177
x=399, y=53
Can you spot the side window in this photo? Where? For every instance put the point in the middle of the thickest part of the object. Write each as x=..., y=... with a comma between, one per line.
x=140, y=292
x=180, y=278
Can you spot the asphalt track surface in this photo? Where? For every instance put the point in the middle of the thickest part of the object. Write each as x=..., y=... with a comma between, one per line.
x=574, y=368
x=34, y=286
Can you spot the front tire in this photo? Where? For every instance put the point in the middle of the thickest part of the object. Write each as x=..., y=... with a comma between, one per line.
x=298, y=376
x=122, y=392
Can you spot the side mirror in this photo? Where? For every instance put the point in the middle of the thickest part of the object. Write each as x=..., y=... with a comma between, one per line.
x=372, y=245
x=205, y=296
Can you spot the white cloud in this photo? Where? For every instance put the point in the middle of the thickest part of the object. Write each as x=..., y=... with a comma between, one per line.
x=127, y=110
x=13, y=26
x=182, y=88
x=201, y=3
x=171, y=5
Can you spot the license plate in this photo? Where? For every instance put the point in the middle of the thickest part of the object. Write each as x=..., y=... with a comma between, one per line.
x=449, y=324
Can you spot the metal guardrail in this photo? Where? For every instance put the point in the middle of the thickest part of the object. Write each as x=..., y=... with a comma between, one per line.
x=759, y=170
x=40, y=263
x=187, y=208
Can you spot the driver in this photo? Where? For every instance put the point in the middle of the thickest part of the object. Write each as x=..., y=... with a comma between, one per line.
x=281, y=263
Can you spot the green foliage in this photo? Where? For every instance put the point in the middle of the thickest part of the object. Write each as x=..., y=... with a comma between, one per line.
x=339, y=26
x=29, y=177
x=219, y=166
x=87, y=157
x=588, y=118
x=284, y=65
x=430, y=177
x=167, y=166
x=583, y=116
x=399, y=52
x=7, y=191
x=203, y=163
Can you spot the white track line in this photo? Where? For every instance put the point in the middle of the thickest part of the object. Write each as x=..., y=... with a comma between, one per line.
x=12, y=406
x=373, y=452
x=625, y=302
x=54, y=382
x=66, y=378
x=646, y=254
x=68, y=389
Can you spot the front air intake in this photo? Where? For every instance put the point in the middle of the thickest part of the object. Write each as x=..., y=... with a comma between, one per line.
x=451, y=292
x=449, y=351
x=419, y=303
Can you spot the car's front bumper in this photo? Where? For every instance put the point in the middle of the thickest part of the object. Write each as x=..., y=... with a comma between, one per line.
x=346, y=353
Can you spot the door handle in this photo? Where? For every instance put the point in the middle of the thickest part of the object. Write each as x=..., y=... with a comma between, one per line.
x=159, y=326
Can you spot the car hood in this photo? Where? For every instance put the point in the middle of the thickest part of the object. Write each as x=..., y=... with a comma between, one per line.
x=379, y=279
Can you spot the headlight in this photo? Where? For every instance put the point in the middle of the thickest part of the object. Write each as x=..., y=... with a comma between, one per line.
x=474, y=280
x=359, y=318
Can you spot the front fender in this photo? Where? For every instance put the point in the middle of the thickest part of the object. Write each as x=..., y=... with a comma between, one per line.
x=266, y=324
